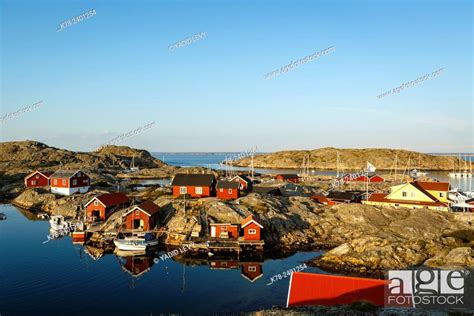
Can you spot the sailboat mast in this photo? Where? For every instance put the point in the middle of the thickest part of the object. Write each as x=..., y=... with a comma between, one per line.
x=337, y=164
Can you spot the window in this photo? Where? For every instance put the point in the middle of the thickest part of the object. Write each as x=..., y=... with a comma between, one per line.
x=55, y=181
x=183, y=190
x=229, y=191
x=404, y=194
x=221, y=190
x=252, y=231
x=96, y=203
x=37, y=176
x=198, y=190
x=33, y=182
x=79, y=174
x=74, y=182
x=137, y=212
x=252, y=268
x=64, y=181
x=441, y=194
x=412, y=194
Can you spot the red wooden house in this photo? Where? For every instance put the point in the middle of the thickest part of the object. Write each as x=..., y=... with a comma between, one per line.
x=251, y=228
x=376, y=178
x=288, y=177
x=195, y=185
x=137, y=265
x=224, y=230
x=142, y=217
x=251, y=270
x=37, y=179
x=67, y=182
x=245, y=182
x=227, y=190
x=100, y=207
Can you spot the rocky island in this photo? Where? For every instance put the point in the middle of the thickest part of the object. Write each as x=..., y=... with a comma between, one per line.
x=351, y=159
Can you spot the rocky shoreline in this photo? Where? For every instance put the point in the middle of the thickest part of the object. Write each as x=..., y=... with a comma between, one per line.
x=361, y=240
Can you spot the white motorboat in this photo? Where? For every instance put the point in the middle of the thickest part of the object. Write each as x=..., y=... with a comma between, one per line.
x=415, y=173
x=136, y=243
x=57, y=222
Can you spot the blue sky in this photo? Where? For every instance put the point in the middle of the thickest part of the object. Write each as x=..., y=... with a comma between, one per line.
x=113, y=73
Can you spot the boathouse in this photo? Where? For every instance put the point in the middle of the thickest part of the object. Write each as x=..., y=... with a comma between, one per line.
x=288, y=177
x=251, y=270
x=224, y=264
x=67, y=182
x=38, y=179
x=251, y=228
x=225, y=231
x=227, y=190
x=244, y=181
x=194, y=185
x=100, y=207
x=142, y=217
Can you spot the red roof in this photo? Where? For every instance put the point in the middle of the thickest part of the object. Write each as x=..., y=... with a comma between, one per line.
x=435, y=186
x=381, y=197
x=321, y=199
x=112, y=199
x=149, y=207
x=330, y=290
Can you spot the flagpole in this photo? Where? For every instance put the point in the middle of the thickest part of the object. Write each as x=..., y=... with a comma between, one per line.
x=367, y=182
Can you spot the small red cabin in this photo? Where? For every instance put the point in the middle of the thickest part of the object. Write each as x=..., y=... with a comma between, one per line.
x=195, y=185
x=142, y=217
x=227, y=190
x=100, y=207
x=321, y=199
x=251, y=228
x=67, y=182
x=251, y=270
x=288, y=177
x=376, y=178
x=37, y=179
x=245, y=182
x=224, y=230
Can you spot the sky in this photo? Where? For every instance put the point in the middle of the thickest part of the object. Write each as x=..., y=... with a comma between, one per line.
x=114, y=73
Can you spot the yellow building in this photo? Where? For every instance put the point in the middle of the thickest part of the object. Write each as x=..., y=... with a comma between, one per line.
x=416, y=194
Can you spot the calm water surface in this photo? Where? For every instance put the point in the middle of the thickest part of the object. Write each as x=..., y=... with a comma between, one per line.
x=60, y=278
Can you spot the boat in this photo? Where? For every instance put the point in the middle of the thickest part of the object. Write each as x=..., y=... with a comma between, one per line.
x=132, y=166
x=2, y=217
x=57, y=222
x=462, y=173
x=415, y=173
x=136, y=243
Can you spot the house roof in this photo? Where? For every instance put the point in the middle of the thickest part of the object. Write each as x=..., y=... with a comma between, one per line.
x=65, y=174
x=250, y=219
x=110, y=199
x=148, y=207
x=243, y=177
x=287, y=175
x=381, y=197
x=340, y=195
x=265, y=189
x=194, y=179
x=433, y=186
x=227, y=185
x=46, y=174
